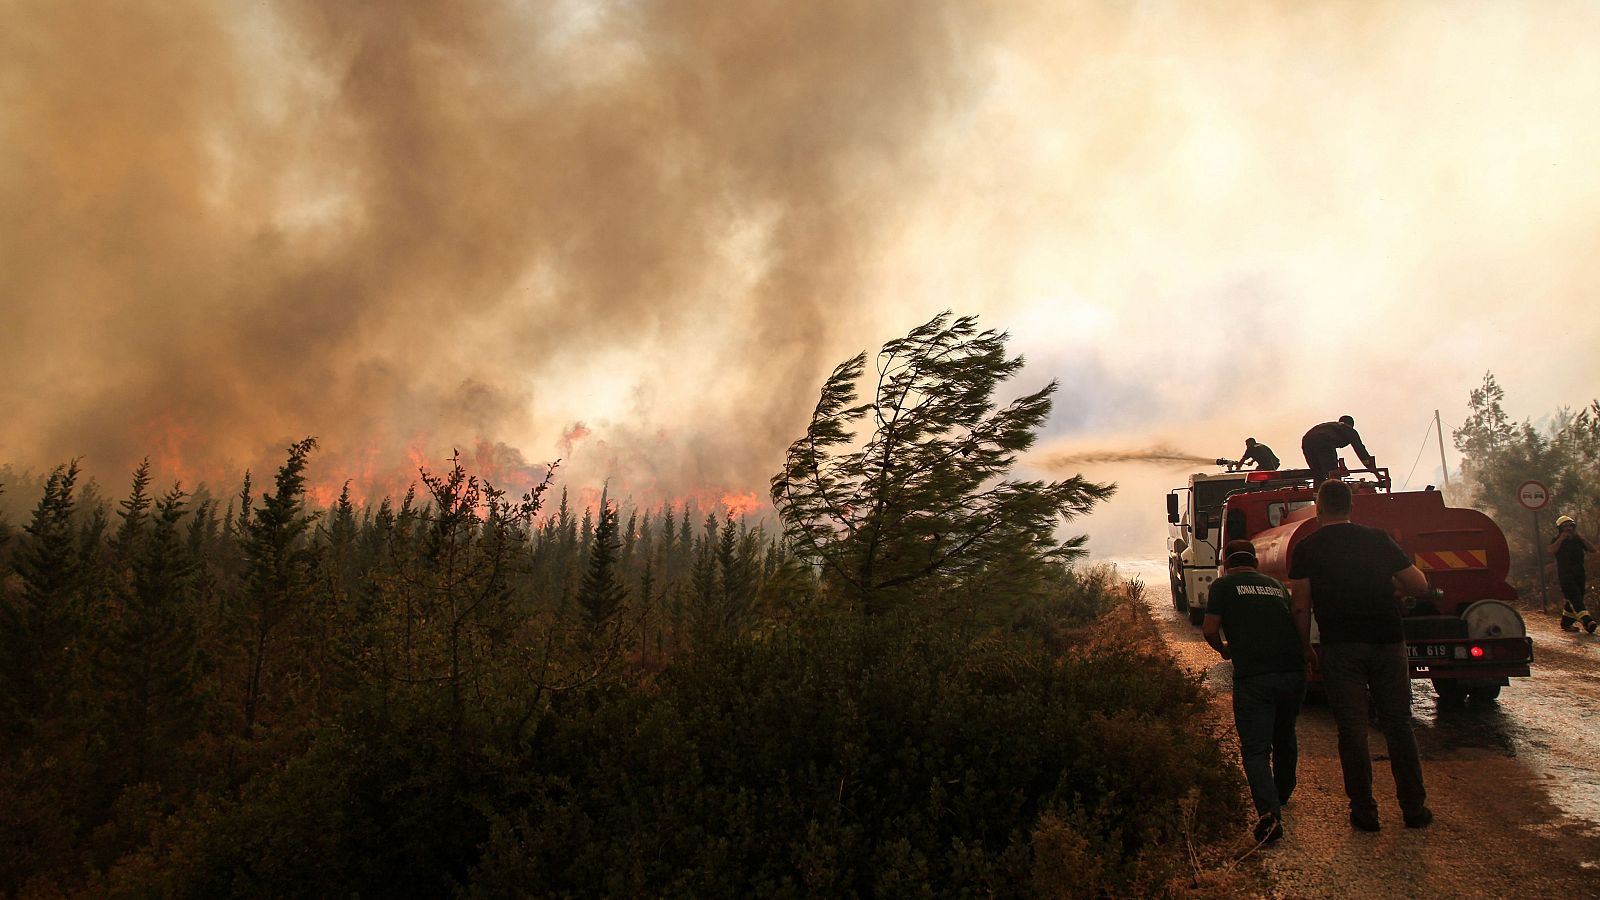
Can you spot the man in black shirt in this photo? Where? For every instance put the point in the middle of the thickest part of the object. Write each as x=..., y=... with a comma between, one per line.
x=1568, y=549
x=1346, y=574
x=1269, y=679
x=1321, y=446
x=1265, y=459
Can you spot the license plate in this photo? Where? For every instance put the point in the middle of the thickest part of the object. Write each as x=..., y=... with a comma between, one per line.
x=1430, y=651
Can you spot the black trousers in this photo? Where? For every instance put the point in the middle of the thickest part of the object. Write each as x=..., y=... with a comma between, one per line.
x=1573, y=611
x=1264, y=711
x=1351, y=673
x=1320, y=459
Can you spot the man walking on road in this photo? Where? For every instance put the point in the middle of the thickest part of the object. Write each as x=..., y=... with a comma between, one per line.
x=1269, y=679
x=1568, y=549
x=1346, y=574
x=1321, y=446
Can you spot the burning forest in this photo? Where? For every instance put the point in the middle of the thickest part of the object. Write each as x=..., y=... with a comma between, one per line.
x=217, y=695
x=421, y=471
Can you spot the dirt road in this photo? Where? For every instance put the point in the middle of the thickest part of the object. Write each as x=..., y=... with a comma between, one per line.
x=1515, y=786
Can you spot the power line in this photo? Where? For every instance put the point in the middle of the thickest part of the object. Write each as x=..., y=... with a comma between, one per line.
x=1425, y=433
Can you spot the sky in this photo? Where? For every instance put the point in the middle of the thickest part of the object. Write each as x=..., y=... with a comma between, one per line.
x=636, y=236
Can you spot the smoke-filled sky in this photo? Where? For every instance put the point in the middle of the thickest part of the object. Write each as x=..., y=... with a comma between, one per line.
x=636, y=235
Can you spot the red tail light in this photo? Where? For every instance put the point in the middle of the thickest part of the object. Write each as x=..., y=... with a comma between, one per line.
x=1258, y=476
x=1477, y=652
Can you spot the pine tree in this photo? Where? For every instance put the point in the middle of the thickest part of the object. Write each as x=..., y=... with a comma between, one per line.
x=245, y=501
x=669, y=528
x=148, y=661
x=96, y=567
x=736, y=577
x=603, y=592
x=704, y=608
x=342, y=524
x=41, y=627
x=585, y=535
x=925, y=498
x=134, y=514
x=1487, y=430
x=202, y=528
x=630, y=536
x=278, y=571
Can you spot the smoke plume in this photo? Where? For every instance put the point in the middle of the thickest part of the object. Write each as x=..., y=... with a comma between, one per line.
x=408, y=226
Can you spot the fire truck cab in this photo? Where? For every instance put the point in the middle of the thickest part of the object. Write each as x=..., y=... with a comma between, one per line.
x=1194, y=527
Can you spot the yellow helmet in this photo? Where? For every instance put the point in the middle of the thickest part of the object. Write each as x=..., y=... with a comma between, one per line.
x=1565, y=520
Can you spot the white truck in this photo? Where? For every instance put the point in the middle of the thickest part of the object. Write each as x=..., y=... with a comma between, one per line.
x=1194, y=529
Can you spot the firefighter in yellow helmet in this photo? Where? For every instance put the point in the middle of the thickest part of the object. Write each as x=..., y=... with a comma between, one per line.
x=1568, y=549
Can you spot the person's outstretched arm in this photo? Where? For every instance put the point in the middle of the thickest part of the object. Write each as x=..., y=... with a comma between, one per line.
x=1361, y=450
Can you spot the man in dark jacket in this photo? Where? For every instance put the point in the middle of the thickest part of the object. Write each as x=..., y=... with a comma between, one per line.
x=1321, y=446
x=1269, y=678
x=1261, y=454
x=1568, y=549
x=1347, y=574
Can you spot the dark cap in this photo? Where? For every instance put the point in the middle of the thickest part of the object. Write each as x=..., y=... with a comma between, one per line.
x=1348, y=420
x=1239, y=552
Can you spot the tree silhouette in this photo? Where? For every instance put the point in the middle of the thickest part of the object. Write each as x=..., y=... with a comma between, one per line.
x=602, y=593
x=924, y=496
x=41, y=627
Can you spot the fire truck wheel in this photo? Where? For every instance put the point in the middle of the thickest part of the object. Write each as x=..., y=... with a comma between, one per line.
x=1451, y=690
x=1487, y=693
x=1180, y=602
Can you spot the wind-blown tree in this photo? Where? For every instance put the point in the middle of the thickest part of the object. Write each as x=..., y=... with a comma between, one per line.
x=924, y=498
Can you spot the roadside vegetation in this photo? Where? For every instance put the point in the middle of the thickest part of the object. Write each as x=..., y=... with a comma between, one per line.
x=1499, y=454
x=909, y=689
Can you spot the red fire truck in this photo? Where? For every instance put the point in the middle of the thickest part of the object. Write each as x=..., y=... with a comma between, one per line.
x=1465, y=635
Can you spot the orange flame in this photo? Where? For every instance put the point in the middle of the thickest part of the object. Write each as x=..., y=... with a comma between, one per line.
x=738, y=505
x=388, y=469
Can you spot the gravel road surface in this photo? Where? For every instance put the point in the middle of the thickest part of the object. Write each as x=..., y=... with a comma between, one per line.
x=1515, y=785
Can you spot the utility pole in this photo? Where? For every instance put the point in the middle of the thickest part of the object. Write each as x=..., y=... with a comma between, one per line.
x=1438, y=431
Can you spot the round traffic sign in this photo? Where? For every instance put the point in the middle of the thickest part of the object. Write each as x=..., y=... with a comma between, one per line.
x=1533, y=495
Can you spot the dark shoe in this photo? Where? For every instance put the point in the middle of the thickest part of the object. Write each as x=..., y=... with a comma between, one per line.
x=1590, y=627
x=1366, y=821
x=1422, y=818
x=1268, y=829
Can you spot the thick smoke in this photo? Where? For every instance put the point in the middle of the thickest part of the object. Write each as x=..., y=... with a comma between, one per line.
x=404, y=226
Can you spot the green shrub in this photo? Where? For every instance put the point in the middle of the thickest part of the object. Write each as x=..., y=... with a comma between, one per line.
x=850, y=756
